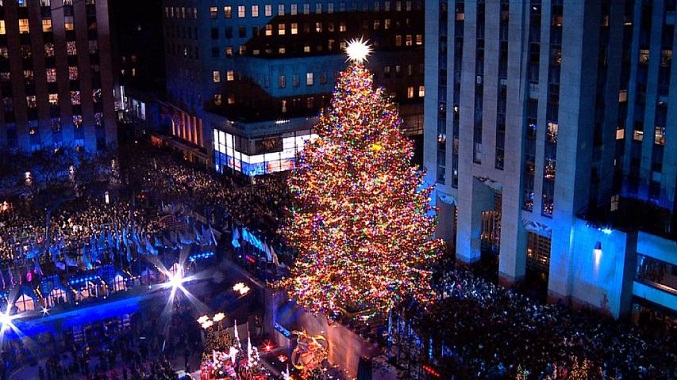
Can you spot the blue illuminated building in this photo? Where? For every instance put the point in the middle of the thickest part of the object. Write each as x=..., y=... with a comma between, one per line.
x=551, y=136
x=56, y=77
x=247, y=80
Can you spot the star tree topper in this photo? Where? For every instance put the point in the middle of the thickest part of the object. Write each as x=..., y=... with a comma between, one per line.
x=357, y=50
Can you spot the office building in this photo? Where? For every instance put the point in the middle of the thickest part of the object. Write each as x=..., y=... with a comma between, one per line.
x=56, y=81
x=246, y=81
x=551, y=135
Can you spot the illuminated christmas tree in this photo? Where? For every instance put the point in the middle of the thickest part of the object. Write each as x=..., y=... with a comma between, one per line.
x=361, y=219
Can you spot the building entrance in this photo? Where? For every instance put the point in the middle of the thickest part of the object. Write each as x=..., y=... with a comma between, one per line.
x=490, y=239
x=538, y=266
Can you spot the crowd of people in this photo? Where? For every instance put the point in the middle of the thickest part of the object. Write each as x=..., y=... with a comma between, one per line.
x=87, y=230
x=481, y=330
x=484, y=331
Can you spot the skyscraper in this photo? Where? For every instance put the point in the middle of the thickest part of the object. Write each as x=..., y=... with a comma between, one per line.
x=56, y=80
x=548, y=128
x=247, y=80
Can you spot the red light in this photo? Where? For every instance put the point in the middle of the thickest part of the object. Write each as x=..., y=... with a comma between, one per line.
x=431, y=371
x=267, y=346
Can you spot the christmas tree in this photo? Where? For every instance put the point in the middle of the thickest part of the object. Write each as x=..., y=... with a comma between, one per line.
x=360, y=219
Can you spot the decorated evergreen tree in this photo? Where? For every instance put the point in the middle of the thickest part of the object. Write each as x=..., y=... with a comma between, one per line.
x=361, y=220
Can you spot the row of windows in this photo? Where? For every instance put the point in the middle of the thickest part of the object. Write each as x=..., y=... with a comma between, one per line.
x=229, y=76
x=24, y=26
x=53, y=98
x=293, y=28
x=71, y=49
x=50, y=73
x=255, y=10
x=48, y=3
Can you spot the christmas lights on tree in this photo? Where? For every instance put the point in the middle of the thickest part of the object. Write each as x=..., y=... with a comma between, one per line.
x=361, y=218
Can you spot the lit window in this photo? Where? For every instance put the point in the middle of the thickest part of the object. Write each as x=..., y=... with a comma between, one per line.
x=410, y=92
x=269, y=30
x=294, y=28
x=28, y=75
x=318, y=27
x=31, y=101
x=306, y=48
x=46, y=25
x=241, y=11
x=68, y=23
x=216, y=76
x=71, y=48
x=644, y=56
x=318, y=8
x=75, y=97
x=255, y=11
x=282, y=81
x=268, y=10
x=280, y=29
x=309, y=79
x=242, y=50
x=294, y=9
x=408, y=41
x=421, y=91
x=229, y=51
x=342, y=26
x=4, y=52
x=49, y=49
x=2, y=27
x=217, y=99
x=213, y=12
x=77, y=120
x=22, y=3
x=231, y=99
x=96, y=96
x=419, y=39
x=72, y=72
x=280, y=10
x=666, y=57
x=398, y=40
x=23, y=25
x=386, y=24
x=230, y=75
x=53, y=99
x=228, y=11
x=282, y=50
x=659, y=135
x=620, y=134
x=306, y=9
x=622, y=96
x=638, y=135
x=330, y=8
x=51, y=75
